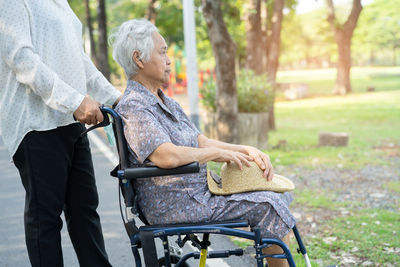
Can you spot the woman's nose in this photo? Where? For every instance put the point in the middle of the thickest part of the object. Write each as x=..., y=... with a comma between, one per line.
x=168, y=61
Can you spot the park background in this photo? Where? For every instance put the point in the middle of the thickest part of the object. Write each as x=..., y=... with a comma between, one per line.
x=284, y=57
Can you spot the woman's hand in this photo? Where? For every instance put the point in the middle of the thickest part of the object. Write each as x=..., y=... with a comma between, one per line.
x=233, y=156
x=88, y=112
x=262, y=161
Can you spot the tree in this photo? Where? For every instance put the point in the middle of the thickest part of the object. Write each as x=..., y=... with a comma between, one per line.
x=343, y=34
x=151, y=11
x=102, y=58
x=273, y=52
x=254, y=51
x=274, y=41
x=224, y=50
x=264, y=46
x=377, y=37
x=90, y=28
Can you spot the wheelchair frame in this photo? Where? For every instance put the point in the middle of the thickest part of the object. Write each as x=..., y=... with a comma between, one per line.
x=137, y=235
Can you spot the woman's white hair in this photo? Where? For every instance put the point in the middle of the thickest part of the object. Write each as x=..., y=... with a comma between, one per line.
x=132, y=35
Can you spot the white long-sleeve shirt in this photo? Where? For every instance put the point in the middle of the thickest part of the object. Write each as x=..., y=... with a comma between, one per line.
x=44, y=72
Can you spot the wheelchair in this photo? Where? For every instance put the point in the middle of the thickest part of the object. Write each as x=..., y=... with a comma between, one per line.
x=143, y=237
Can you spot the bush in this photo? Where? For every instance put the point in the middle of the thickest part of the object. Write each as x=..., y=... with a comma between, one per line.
x=254, y=93
x=208, y=94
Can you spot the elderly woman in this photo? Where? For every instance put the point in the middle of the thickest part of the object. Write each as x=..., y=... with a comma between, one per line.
x=158, y=131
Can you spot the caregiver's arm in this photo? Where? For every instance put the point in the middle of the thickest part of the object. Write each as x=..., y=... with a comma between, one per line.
x=17, y=51
x=168, y=155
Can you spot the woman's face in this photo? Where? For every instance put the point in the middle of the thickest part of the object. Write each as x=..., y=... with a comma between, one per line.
x=157, y=69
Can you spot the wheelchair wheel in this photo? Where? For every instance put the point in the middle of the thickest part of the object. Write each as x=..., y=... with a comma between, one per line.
x=174, y=260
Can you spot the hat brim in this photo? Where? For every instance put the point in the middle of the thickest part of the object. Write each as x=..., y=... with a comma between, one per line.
x=278, y=184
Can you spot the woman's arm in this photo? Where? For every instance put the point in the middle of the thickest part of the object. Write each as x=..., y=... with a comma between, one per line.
x=257, y=155
x=207, y=142
x=168, y=155
x=149, y=139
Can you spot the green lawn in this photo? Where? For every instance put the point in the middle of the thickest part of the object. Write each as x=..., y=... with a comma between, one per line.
x=371, y=235
x=371, y=119
x=321, y=82
x=373, y=123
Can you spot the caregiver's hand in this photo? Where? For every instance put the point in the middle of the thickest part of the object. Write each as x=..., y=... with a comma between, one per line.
x=89, y=112
x=262, y=161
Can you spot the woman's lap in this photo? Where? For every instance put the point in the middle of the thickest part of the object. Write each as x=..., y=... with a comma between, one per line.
x=256, y=207
x=259, y=215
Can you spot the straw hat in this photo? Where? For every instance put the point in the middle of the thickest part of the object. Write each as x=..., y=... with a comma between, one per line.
x=233, y=180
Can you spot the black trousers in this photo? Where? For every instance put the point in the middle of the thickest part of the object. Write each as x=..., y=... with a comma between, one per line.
x=57, y=173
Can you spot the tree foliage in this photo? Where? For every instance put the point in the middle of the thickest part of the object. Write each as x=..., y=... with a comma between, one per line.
x=254, y=94
x=308, y=42
x=377, y=37
x=306, y=39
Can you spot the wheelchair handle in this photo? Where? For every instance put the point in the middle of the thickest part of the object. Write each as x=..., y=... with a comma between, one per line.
x=104, y=110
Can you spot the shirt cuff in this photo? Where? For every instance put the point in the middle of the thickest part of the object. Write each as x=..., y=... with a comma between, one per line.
x=77, y=102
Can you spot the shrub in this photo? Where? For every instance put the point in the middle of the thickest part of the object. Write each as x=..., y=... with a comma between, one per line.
x=254, y=93
x=208, y=94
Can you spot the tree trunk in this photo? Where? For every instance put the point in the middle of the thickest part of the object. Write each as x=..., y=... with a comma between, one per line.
x=254, y=38
x=224, y=50
x=343, y=34
x=93, y=53
x=103, y=48
x=275, y=41
x=151, y=13
x=273, y=53
x=343, y=84
x=268, y=32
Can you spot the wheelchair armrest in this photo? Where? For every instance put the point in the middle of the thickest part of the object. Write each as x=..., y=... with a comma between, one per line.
x=143, y=172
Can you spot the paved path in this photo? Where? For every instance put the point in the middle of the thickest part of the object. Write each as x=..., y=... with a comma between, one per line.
x=12, y=246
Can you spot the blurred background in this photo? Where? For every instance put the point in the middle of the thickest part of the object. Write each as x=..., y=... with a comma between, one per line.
x=314, y=83
x=306, y=36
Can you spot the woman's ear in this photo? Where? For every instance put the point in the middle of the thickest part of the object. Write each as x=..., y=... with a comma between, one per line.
x=137, y=60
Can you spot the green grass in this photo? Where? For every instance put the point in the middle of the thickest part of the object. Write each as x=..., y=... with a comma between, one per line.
x=371, y=119
x=371, y=235
x=214, y=166
x=373, y=123
x=316, y=198
x=243, y=243
x=393, y=186
x=322, y=81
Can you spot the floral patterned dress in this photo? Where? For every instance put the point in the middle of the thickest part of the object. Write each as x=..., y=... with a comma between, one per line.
x=184, y=198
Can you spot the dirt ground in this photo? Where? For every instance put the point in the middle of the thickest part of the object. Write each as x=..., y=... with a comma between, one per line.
x=365, y=187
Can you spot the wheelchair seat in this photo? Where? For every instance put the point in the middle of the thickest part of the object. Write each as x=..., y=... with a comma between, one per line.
x=143, y=237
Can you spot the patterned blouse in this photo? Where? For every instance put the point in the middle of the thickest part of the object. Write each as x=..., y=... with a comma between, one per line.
x=148, y=123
